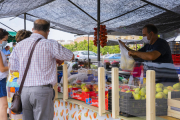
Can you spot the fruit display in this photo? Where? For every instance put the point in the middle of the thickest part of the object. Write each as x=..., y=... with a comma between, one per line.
x=102, y=36
x=87, y=93
x=161, y=91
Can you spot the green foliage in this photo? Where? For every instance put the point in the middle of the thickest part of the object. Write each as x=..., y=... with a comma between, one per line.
x=83, y=45
x=11, y=49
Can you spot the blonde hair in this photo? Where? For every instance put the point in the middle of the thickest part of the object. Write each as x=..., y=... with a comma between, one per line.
x=22, y=34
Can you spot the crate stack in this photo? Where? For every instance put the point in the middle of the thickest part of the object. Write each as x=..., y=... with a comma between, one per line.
x=175, y=51
x=129, y=107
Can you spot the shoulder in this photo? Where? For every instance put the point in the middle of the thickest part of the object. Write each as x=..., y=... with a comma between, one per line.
x=49, y=42
x=162, y=40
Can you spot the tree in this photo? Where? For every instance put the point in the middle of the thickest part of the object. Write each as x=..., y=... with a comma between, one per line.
x=83, y=45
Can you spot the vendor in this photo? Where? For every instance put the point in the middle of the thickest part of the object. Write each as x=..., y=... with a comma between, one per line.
x=6, y=51
x=155, y=50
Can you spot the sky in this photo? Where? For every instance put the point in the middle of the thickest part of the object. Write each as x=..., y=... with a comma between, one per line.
x=18, y=24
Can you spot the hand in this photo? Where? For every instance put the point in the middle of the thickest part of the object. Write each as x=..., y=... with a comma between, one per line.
x=59, y=62
x=122, y=43
x=132, y=53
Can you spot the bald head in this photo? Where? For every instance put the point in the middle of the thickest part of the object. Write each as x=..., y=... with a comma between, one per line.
x=41, y=25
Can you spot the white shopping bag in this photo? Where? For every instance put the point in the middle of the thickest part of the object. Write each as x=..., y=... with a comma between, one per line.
x=127, y=62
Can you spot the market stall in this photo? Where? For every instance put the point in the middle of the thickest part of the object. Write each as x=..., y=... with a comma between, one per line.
x=80, y=17
x=68, y=105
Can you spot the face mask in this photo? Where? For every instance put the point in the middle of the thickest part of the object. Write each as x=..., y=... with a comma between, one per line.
x=145, y=40
x=4, y=43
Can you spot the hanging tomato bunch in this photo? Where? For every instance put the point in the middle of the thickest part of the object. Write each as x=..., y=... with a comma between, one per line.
x=95, y=37
x=102, y=36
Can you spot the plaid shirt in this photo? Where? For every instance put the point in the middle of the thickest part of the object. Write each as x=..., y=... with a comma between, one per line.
x=43, y=69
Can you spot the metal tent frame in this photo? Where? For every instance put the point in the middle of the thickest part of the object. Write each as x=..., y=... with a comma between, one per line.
x=163, y=11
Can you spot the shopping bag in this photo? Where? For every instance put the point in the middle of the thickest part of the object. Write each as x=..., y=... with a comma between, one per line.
x=127, y=62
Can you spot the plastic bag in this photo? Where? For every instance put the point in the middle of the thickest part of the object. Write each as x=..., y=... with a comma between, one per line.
x=127, y=62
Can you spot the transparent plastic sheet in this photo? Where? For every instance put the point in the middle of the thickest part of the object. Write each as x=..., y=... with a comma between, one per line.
x=127, y=62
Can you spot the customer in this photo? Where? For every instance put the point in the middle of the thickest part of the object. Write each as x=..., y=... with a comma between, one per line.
x=37, y=94
x=3, y=75
x=6, y=51
x=14, y=44
x=12, y=85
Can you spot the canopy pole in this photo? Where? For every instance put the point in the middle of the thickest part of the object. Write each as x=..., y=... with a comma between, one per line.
x=98, y=29
x=88, y=53
x=24, y=21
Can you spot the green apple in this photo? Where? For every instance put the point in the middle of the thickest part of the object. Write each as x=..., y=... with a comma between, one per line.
x=143, y=98
x=137, y=90
x=137, y=97
x=170, y=88
x=164, y=95
x=159, y=85
x=143, y=92
x=165, y=91
x=159, y=89
x=176, y=86
x=159, y=96
x=82, y=85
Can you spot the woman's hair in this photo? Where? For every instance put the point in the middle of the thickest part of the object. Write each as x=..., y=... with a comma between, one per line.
x=22, y=34
x=3, y=33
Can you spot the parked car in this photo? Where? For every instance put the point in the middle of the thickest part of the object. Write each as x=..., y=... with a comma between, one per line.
x=112, y=57
x=81, y=55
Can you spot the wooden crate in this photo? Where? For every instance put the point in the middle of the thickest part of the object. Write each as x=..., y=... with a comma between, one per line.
x=173, y=102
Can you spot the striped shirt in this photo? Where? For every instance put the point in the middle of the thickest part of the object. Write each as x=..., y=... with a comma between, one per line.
x=42, y=70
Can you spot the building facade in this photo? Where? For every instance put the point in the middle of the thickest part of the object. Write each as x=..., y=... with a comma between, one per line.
x=79, y=39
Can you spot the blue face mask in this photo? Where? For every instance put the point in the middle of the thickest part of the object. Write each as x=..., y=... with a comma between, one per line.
x=4, y=43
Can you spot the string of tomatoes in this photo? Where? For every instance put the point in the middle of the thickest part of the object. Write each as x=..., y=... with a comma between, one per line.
x=102, y=36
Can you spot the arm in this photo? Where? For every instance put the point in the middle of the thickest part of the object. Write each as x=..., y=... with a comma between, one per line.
x=59, y=62
x=2, y=67
x=14, y=61
x=8, y=55
x=145, y=55
x=62, y=54
x=125, y=46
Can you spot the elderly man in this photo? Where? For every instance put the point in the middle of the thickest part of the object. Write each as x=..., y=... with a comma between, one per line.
x=37, y=94
x=6, y=51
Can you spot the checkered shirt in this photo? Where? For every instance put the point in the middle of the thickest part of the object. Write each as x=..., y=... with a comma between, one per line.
x=42, y=70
